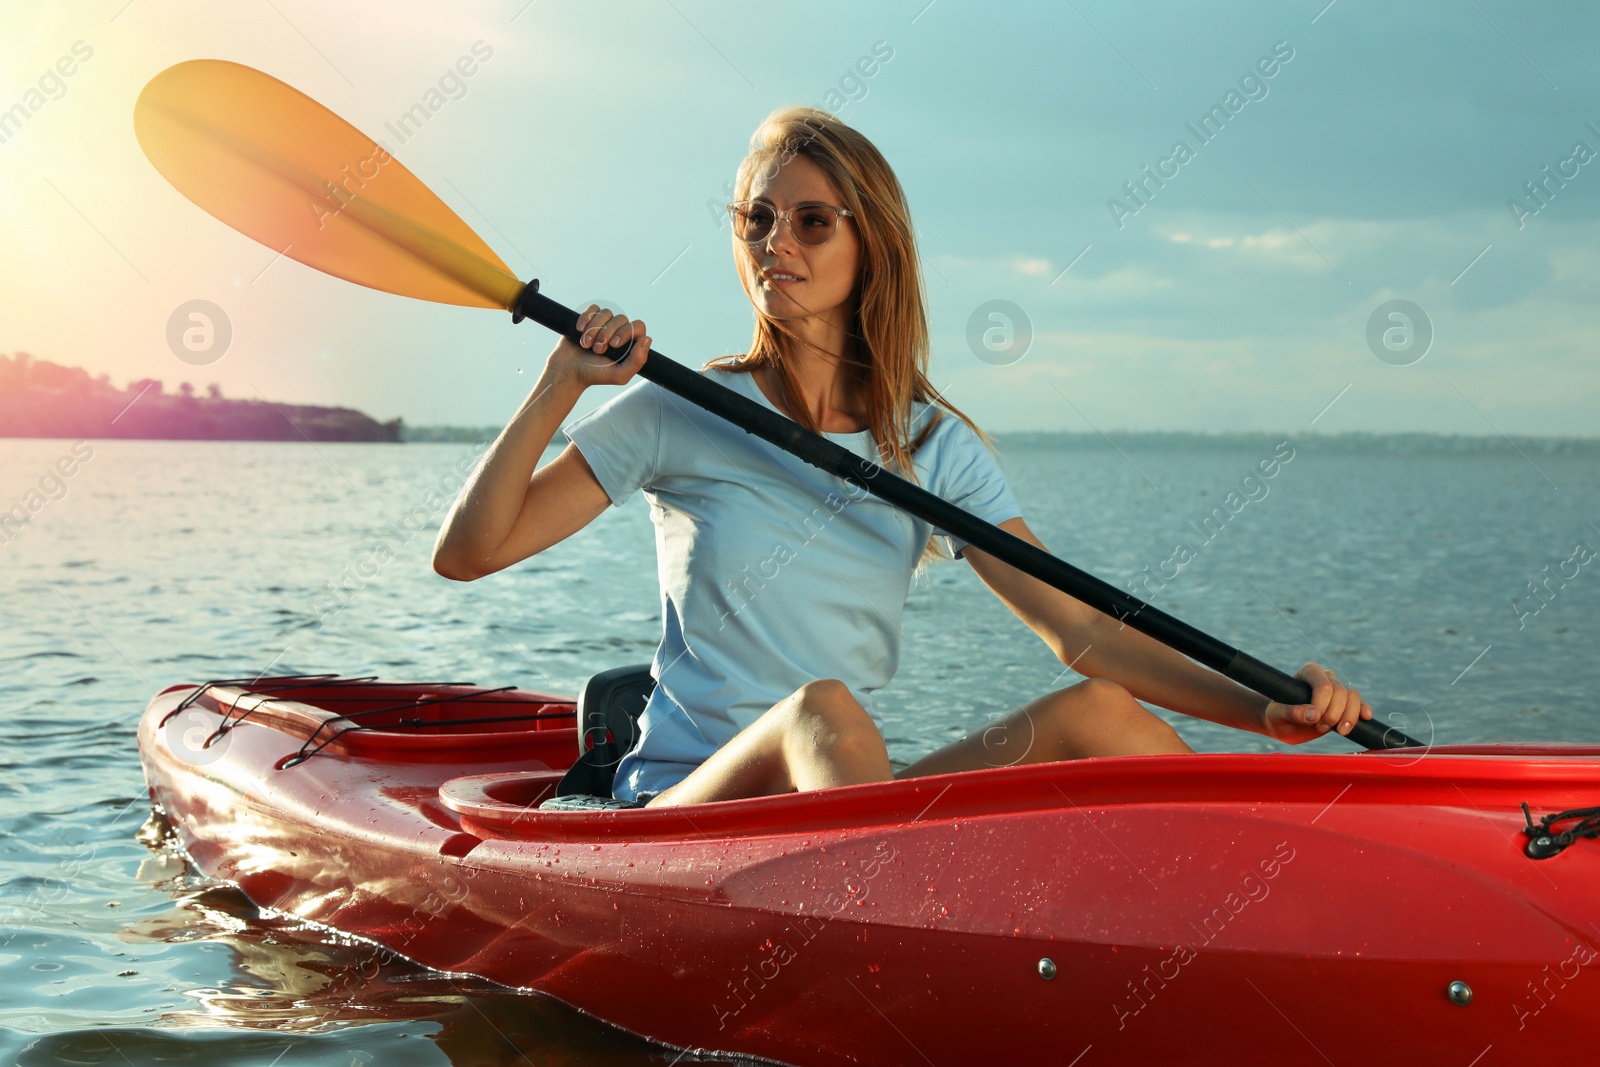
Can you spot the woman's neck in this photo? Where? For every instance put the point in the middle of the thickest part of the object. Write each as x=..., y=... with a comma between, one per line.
x=827, y=388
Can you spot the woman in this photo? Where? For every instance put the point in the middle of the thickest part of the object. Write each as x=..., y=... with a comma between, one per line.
x=782, y=587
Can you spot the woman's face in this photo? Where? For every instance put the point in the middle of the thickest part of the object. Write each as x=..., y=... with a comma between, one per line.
x=826, y=272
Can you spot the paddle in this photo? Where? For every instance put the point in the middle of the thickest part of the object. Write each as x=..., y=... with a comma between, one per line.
x=279, y=167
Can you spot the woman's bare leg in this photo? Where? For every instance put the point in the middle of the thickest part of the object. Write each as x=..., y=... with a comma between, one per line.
x=818, y=737
x=1093, y=718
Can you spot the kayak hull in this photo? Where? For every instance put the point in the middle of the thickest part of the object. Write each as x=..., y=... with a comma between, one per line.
x=1197, y=909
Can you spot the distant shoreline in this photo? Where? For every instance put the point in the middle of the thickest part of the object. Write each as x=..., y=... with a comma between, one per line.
x=448, y=434
x=42, y=399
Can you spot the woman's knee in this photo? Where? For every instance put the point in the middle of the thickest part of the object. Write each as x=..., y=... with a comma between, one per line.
x=1091, y=700
x=824, y=692
x=826, y=714
x=1098, y=711
x=1101, y=694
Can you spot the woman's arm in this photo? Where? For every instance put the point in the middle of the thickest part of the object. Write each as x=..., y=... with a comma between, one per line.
x=508, y=511
x=1097, y=645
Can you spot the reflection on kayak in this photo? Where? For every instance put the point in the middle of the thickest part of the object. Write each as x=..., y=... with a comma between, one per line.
x=292, y=978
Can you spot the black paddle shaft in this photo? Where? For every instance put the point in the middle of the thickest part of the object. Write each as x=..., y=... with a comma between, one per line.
x=839, y=461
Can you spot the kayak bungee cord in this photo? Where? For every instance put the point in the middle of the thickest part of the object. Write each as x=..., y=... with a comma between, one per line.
x=409, y=724
x=281, y=168
x=270, y=694
x=229, y=723
x=1543, y=844
x=465, y=698
x=297, y=681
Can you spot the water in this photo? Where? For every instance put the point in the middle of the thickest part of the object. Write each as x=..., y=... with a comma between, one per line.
x=167, y=562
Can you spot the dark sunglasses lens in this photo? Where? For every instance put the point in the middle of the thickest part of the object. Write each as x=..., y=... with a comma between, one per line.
x=814, y=225
x=752, y=222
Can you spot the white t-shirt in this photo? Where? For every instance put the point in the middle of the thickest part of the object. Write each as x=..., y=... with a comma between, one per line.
x=773, y=573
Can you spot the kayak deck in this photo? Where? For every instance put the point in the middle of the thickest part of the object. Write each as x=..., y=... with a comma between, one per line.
x=1234, y=908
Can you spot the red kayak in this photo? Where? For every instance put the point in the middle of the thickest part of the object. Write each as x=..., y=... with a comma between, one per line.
x=1241, y=909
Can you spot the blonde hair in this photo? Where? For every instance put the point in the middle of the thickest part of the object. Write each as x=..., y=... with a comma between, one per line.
x=888, y=365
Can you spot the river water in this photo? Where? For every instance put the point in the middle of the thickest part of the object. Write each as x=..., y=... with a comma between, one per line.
x=1401, y=562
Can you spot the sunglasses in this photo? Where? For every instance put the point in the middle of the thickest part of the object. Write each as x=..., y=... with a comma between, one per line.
x=811, y=224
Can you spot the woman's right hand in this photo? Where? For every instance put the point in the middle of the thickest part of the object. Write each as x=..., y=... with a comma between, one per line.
x=593, y=362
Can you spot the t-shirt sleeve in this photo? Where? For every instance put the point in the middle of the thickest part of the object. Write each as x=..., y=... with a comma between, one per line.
x=969, y=476
x=621, y=439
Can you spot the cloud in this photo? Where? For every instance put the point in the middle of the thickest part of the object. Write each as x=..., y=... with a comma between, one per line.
x=1277, y=245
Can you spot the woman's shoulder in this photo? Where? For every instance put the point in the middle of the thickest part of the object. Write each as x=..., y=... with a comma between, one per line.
x=728, y=366
x=947, y=445
x=731, y=377
x=726, y=371
x=941, y=428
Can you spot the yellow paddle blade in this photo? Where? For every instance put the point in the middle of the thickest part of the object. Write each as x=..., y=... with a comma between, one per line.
x=279, y=167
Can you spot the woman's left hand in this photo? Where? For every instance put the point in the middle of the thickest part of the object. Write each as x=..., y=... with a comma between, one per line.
x=1333, y=707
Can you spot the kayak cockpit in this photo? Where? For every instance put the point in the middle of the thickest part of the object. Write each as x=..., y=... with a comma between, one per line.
x=494, y=796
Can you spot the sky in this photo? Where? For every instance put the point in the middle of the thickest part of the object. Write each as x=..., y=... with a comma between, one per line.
x=1385, y=158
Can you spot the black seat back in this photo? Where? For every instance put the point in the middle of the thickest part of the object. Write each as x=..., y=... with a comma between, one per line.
x=608, y=727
